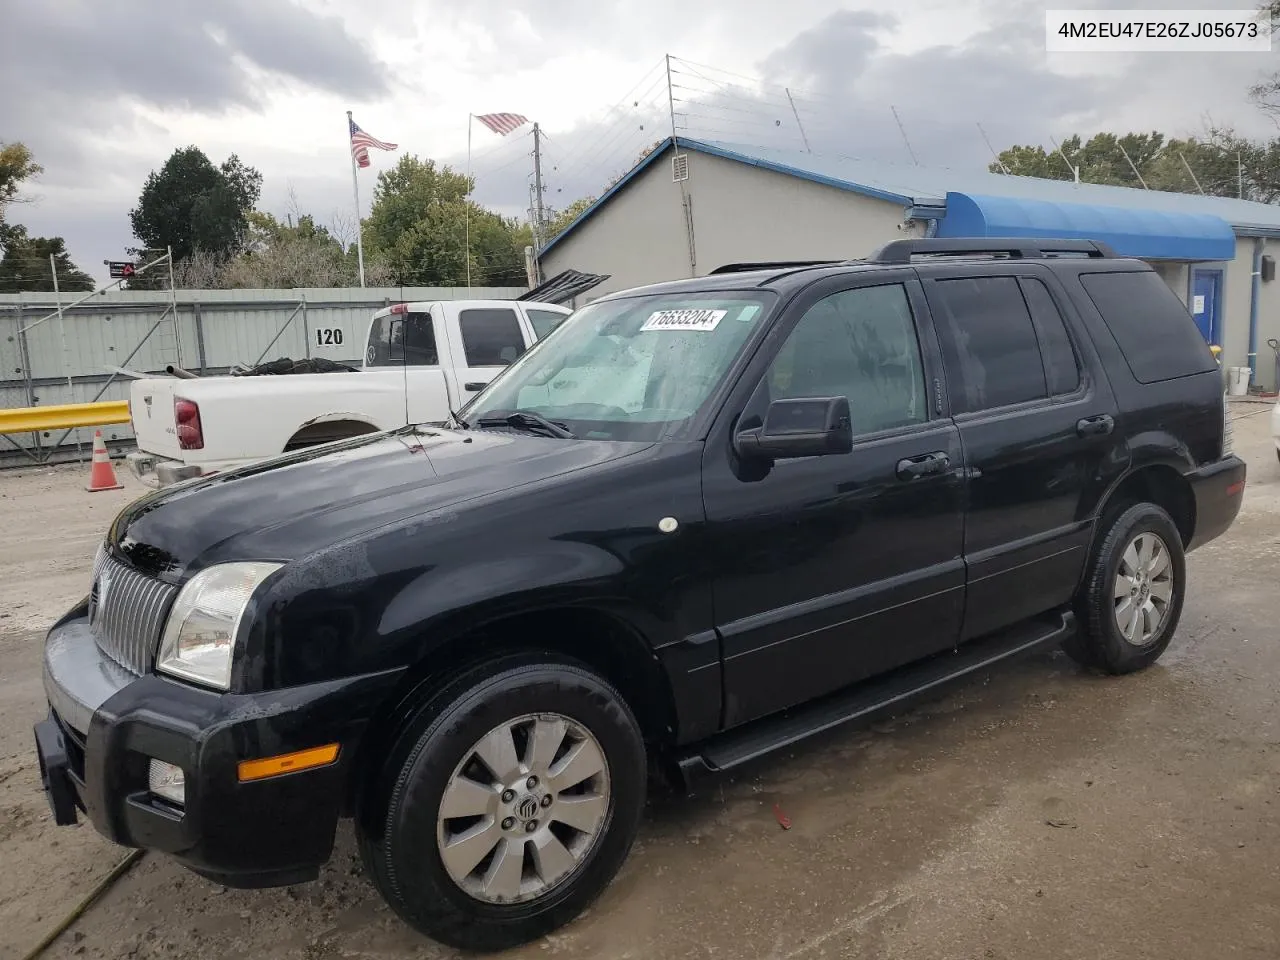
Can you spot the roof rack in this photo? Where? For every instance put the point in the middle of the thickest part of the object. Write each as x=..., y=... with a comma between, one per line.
x=770, y=265
x=902, y=251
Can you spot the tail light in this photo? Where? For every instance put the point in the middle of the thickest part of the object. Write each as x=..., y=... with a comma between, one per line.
x=187, y=416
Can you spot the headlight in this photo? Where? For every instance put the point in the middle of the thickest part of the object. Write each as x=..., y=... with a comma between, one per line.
x=200, y=635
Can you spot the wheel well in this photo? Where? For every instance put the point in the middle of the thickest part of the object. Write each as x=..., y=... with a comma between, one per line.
x=593, y=638
x=328, y=431
x=1164, y=487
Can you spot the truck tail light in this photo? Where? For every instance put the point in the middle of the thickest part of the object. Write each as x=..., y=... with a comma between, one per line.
x=186, y=414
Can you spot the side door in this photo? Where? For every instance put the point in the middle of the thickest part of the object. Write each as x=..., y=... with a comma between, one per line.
x=487, y=339
x=1036, y=418
x=404, y=351
x=827, y=570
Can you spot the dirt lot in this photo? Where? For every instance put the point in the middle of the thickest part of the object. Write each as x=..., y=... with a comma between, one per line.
x=1038, y=813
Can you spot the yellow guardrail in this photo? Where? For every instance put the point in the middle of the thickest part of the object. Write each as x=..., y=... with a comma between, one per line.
x=64, y=416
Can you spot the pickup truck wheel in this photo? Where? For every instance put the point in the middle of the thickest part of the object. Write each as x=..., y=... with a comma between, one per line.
x=1131, y=600
x=508, y=803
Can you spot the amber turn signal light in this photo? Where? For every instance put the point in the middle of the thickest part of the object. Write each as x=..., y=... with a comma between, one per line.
x=288, y=763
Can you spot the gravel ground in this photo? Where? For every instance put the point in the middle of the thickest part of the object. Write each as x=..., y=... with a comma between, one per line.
x=1036, y=813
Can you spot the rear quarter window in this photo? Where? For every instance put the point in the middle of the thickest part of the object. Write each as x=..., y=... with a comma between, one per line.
x=1151, y=326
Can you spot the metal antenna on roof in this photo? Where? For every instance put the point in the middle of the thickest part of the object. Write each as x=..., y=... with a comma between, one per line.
x=1131, y=166
x=1075, y=171
x=987, y=140
x=903, y=131
x=796, y=114
x=1192, y=172
x=1240, y=173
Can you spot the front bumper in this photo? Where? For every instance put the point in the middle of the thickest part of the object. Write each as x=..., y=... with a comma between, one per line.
x=1218, y=490
x=105, y=725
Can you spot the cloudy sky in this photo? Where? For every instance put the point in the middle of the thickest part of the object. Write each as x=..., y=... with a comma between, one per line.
x=104, y=92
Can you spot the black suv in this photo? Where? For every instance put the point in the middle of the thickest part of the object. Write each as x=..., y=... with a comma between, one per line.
x=699, y=522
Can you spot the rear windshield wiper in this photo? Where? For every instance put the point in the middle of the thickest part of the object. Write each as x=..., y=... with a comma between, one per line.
x=526, y=420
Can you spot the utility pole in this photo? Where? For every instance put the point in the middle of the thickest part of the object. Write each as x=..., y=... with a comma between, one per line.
x=538, y=181
x=1240, y=173
x=539, y=223
x=796, y=114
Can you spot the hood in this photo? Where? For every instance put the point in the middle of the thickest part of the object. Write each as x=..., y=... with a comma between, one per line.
x=291, y=506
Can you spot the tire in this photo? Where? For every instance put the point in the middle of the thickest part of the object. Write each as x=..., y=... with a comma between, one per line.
x=404, y=828
x=1100, y=643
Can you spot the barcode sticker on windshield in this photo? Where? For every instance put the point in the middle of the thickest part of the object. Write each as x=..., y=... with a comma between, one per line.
x=684, y=319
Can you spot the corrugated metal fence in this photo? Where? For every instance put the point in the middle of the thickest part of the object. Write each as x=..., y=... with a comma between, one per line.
x=71, y=361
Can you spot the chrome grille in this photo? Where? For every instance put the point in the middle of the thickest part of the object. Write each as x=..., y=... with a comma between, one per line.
x=126, y=612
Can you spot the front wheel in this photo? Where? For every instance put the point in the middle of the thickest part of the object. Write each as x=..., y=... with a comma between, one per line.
x=1131, y=600
x=510, y=800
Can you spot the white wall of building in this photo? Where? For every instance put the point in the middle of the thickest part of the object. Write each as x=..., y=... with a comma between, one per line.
x=739, y=213
x=742, y=212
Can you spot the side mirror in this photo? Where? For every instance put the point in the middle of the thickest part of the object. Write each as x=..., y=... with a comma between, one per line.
x=805, y=427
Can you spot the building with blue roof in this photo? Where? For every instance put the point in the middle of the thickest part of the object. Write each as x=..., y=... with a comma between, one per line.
x=692, y=205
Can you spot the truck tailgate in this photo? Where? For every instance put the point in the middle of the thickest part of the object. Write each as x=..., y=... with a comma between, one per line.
x=151, y=408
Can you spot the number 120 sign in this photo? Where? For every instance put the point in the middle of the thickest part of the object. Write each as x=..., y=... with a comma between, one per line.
x=328, y=336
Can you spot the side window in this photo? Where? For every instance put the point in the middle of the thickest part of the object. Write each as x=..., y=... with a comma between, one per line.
x=544, y=321
x=859, y=344
x=420, y=341
x=989, y=345
x=490, y=336
x=407, y=339
x=1155, y=332
x=1061, y=367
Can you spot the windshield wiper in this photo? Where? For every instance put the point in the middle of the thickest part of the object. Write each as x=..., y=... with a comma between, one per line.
x=527, y=420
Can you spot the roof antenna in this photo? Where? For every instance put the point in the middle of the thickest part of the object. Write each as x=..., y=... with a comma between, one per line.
x=993, y=150
x=796, y=114
x=1075, y=171
x=1131, y=166
x=902, y=130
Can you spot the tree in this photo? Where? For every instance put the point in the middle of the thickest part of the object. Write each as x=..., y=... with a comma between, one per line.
x=26, y=267
x=24, y=260
x=1219, y=163
x=16, y=166
x=192, y=205
x=562, y=218
x=279, y=255
x=418, y=226
x=1265, y=94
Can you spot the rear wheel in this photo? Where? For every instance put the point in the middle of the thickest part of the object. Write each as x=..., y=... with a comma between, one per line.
x=1132, y=596
x=509, y=801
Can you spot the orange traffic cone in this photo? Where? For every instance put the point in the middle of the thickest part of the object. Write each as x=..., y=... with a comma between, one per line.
x=102, y=476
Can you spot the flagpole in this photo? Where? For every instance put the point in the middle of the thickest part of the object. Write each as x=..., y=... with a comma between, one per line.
x=467, y=201
x=355, y=192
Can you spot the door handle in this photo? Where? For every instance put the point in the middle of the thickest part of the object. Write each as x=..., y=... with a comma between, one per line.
x=474, y=385
x=931, y=463
x=1095, y=426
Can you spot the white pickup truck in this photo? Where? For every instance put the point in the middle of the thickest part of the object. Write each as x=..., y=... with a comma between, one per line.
x=422, y=361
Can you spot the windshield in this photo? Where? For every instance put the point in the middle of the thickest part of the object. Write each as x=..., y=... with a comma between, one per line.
x=638, y=368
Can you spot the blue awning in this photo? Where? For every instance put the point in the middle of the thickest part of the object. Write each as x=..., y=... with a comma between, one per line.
x=1131, y=232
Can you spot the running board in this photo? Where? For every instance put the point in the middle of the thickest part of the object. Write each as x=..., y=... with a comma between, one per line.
x=870, y=698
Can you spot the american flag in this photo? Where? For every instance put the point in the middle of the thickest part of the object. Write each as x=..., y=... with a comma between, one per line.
x=503, y=123
x=361, y=142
